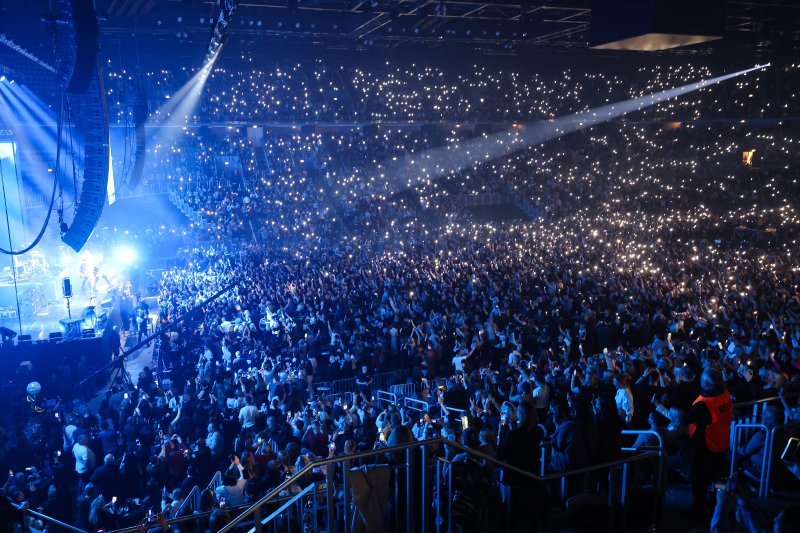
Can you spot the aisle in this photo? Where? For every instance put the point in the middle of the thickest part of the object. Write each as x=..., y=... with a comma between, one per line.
x=134, y=364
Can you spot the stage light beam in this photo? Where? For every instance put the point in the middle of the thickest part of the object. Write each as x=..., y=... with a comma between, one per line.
x=435, y=163
x=125, y=255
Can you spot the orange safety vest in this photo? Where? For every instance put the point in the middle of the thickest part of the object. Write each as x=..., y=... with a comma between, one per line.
x=718, y=432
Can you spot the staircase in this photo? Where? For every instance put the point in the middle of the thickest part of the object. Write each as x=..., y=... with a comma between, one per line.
x=413, y=487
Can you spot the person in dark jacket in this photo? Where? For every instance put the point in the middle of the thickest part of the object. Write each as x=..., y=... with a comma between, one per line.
x=609, y=429
x=521, y=447
x=107, y=479
x=570, y=449
x=11, y=514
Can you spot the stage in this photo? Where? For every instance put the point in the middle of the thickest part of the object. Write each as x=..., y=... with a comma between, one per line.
x=41, y=310
x=33, y=296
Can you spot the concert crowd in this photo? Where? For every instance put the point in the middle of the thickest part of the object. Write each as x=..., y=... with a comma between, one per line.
x=659, y=267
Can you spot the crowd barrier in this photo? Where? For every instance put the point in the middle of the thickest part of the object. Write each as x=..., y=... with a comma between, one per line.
x=768, y=449
x=415, y=404
x=387, y=398
x=403, y=390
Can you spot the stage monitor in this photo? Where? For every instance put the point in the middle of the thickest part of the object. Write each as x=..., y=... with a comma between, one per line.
x=71, y=327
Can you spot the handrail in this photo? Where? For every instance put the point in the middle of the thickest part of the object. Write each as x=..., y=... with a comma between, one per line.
x=51, y=520
x=764, y=400
x=662, y=464
x=402, y=390
x=187, y=501
x=145, y=525
x=305, y=470
x=419, y=444
x=586, y=469
x=288, y=504
x=653, y=432
x=216, y=481
x=446, y=409
x=188, y=518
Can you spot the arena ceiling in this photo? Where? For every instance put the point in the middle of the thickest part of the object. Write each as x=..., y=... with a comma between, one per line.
x=503, y=27
x=499, y=24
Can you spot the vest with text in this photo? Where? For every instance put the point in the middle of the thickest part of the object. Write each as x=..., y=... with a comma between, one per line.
x=718, y=432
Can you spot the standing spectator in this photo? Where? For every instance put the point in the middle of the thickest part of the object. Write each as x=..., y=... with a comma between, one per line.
x=84, y=460
x=364, y=381
x=520, y=447
x=248, y=414
x=624, y=397
x=107, y=479
x=709, y=422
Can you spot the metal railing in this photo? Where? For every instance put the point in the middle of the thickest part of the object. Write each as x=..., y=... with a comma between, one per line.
x=197, y=517
x=343, y=385
x=380, y=381
x=758, y=406
x=216, y=481
x=446, y=410
x=403, y=390
x=737, y=430
x=661, y=472
x=423, y=483
x=767, y=450
x=293, y=503
x=50, y=521
x=386, y=397
x=385, y=379
x=191, y=503
x=415, y=404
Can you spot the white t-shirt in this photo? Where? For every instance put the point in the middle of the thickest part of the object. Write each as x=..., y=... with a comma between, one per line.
x=84, y=458
x=247, y=416
x=624, y=400
x=541, y=397
x=458, y=363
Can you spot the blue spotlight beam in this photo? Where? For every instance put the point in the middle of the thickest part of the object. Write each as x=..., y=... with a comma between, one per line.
x=37, y=132
x=173, y=115
x=433, y=164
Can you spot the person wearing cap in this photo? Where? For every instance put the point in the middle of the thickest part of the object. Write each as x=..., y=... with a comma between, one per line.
x=709, y=422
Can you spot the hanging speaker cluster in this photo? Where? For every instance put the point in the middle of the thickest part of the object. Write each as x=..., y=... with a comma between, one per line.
x=93, y=127
x=87, y=38
x=64, y=21
x=139, y=119
x=86, y=95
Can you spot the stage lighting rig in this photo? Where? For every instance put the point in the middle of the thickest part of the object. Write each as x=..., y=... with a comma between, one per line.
x=219, y=28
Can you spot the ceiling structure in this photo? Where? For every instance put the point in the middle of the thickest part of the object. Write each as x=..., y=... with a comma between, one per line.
x=496, y=27
x=511, y=25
